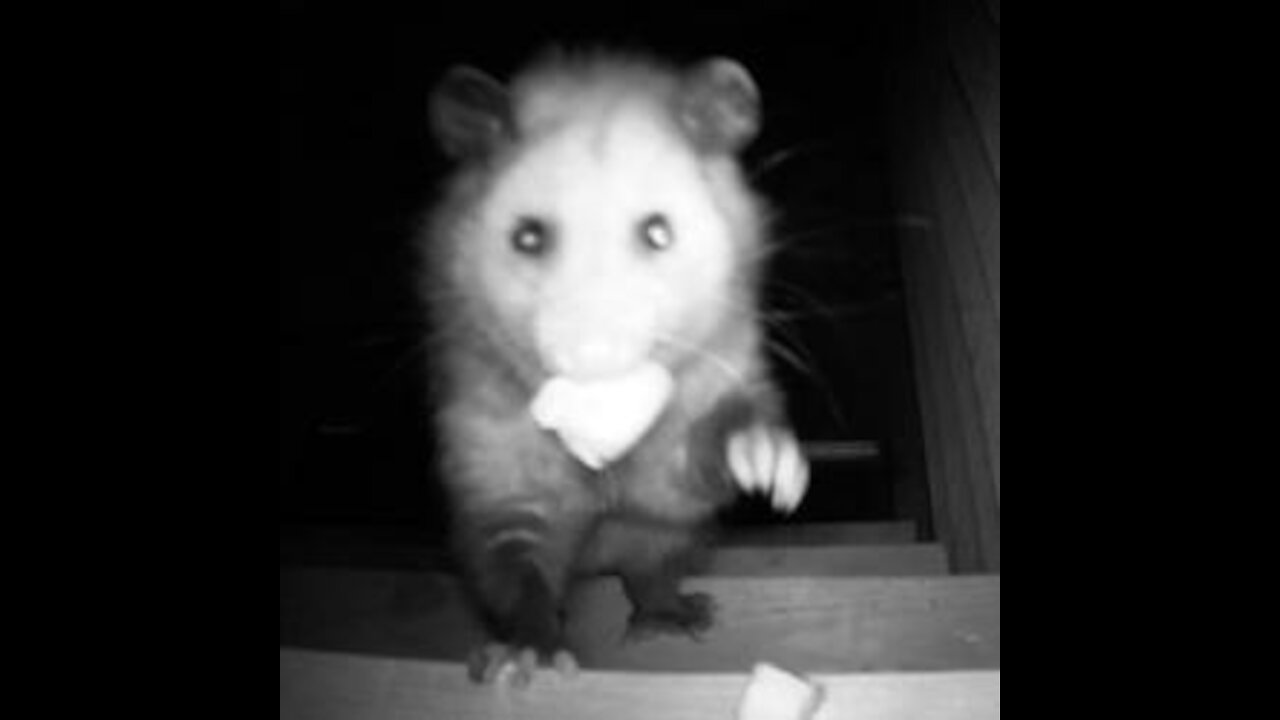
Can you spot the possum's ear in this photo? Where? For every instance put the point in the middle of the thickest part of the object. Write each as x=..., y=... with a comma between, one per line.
x=470, y=113
x=720, y=106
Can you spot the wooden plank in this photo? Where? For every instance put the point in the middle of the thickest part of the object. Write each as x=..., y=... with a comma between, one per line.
x=952, y=512
x=810, y=624
x=915, y=274
x=977, y=190
x=955, y=421
x=916, y=110
x=397, y=613
x=951, y=320
x=821, y=451
x=974, y=49
x=834, y=561
x=969, y=339
x=807, y=624
x=332, y=686
x=971, y=318
x=376, y=548
x=806, y=534
x=742, y=560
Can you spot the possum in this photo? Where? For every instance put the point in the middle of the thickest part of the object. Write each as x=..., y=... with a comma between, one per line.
x=598, y=226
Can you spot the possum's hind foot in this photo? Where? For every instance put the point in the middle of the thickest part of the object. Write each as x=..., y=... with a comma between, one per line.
x=691, y=614
x=496, y=662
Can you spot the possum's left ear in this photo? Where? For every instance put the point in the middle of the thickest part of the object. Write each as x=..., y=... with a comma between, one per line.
x=470, y=113
x=720, y=106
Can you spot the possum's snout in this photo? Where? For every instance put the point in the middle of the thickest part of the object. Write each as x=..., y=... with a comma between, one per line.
x=593, y=338
x=597, y=357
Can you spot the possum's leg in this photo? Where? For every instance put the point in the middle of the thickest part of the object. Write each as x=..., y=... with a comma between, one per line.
x=743, y=444
x=520, y=509
x=519, y=563
x=651, y=556
x=517, y=579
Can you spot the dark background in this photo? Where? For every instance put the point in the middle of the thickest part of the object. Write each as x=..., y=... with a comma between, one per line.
x=358, y=168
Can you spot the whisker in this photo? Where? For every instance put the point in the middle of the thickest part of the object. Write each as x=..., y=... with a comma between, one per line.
x=718, y=361
x=765, y=166
x=788, y=344
x=785, y=155
x=794, y=236
x=829, y=312
x=809, y=371
x=794, y=354
x=802, y=297
x=792, y=357
x=785, y=342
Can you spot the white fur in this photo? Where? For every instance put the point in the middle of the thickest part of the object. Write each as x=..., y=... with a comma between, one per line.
x=600, y=153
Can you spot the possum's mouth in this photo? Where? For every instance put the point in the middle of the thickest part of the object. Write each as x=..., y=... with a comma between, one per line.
x=598, y=336
x=600, y=360
x=599, y=421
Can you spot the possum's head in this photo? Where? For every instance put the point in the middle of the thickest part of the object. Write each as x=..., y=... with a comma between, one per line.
x=600, y=220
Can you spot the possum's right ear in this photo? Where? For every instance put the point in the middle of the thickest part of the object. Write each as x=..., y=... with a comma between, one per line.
x=470, y=113
x=720, y=106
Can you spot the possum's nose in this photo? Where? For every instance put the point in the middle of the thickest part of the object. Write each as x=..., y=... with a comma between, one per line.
x=595, y=358
x=586, y=344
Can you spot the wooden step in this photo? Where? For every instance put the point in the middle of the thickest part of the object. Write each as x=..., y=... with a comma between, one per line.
x=808, y=624
x=858, y=548
x=332, y=686
x=824, y=561
x=864, y=533
x=727, y=561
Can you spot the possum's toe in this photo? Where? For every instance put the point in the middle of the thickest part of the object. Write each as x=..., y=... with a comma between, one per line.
x=691, y=615
x=565, y=663
x=495, y=663
x=768, y=460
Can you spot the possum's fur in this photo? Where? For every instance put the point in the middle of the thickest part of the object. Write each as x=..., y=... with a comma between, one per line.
x=588, y=151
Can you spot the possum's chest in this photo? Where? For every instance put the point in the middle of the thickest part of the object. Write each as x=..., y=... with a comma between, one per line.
x=631, y=460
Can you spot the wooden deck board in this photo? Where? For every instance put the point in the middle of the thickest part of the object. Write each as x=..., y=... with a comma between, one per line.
x=849, y=561
x=329, y=686
x=726, y=561
x=808, y=624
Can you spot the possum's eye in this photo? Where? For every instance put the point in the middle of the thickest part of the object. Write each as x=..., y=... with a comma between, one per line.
x=531, y=236
x=656, y=232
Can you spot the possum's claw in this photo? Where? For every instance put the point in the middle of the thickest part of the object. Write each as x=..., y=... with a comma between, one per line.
x=767, y=459
x=692, y=615
x=498, y=662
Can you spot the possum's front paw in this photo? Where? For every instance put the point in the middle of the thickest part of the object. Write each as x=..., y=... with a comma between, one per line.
x=767, y=459
x=498, y=662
